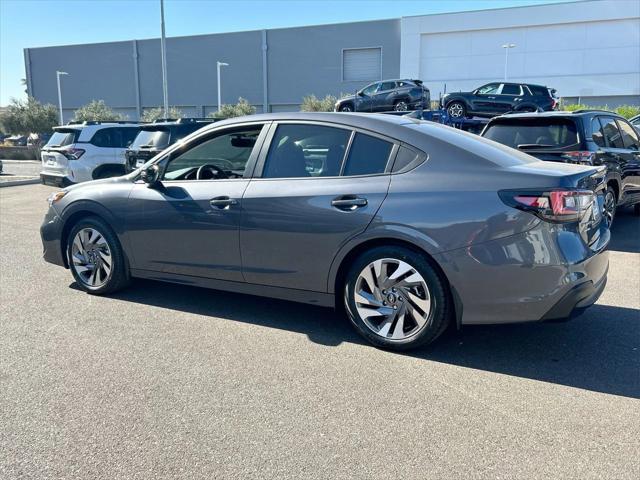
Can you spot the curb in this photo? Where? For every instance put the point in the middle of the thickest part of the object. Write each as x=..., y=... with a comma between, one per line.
x=15, y=183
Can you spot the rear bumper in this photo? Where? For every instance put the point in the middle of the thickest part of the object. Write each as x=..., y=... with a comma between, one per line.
x=533, y=276
x=576, y=300
x=55, y=180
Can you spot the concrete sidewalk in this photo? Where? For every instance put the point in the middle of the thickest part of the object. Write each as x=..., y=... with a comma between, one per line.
x=19, y=172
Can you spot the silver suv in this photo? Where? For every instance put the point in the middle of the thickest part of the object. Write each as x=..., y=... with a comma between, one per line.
x=87, y=151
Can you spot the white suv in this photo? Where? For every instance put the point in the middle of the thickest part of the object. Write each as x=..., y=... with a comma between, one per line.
x=87, y=151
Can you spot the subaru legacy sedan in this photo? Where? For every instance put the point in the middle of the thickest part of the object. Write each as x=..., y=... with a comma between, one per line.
x=408, y=226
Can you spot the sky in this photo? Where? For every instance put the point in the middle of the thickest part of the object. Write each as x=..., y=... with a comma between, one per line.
x=41, y=23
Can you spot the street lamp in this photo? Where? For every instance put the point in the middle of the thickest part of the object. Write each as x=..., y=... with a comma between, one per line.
x=58, y=73
x=220, y=64
x=163, y=51
x=506, y=47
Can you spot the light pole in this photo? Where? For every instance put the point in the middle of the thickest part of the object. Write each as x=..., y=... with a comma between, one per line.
x=220, y=64
x=163, y=48
x=506, y=47
x=58, y=73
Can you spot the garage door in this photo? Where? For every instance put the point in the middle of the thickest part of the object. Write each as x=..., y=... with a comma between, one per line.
x=361, y=64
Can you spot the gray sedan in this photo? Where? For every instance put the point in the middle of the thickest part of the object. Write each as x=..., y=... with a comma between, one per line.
x=408, y=226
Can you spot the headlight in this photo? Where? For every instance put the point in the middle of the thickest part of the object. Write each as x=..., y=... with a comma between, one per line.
x=55, y=196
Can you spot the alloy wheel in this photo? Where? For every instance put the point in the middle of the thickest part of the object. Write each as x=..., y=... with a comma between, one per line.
x=91, y=257
x=392, y=299
x=609, y=210
x=401, y=106
x=346, y=108
x=456, y=110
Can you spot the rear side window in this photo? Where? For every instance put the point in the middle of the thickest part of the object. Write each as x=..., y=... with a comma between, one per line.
x=367, y=156
x=510, y=89
x=629, y=136
x=114, y=137
x=61, y=138
x=539, y=90
x=610, y=131
x=597, y=133
x=538, y=133
x=306, y=151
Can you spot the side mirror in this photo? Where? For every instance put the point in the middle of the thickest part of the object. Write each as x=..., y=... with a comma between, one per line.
x=361, y=94
x=151, y=175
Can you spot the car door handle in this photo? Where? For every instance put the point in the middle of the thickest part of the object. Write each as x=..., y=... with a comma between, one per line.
x=492, y=98
x=222, y=202
x=349, y=203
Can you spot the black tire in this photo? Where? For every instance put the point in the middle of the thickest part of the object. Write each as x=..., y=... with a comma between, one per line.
x=347, y=107
x=400, y=106
x=438, y=317
x=457, y=110
x=610, y=206
x=118, y=276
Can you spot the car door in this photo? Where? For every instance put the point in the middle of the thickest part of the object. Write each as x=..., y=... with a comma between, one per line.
x=306, y=201
x=382, y=100
x=365, y=97
x=188, y=223
x=631, y=156
x=611, y=151
x=485, y=98
x=510, y=95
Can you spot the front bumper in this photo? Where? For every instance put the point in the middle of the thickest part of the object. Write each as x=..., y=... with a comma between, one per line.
x=51, y=235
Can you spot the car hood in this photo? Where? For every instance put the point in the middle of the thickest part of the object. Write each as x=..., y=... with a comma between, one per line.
x=94, y=184
x=348, y=97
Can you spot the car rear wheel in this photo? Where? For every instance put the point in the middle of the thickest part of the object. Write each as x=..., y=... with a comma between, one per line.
x=610, y=205
x=400, y=106
x=95, y=257
x=395, y=298
x=346, y=108
x=457, y=110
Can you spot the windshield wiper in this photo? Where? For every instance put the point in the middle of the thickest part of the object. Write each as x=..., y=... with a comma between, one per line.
x=535, y=145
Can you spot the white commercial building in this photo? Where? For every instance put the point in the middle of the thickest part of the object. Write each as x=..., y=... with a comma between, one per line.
x=588, y=50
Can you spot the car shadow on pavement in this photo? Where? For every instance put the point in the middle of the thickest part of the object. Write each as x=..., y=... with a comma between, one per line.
x=625, y=234
x=598, y=351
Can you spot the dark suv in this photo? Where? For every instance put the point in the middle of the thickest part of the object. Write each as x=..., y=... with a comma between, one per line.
x=398, y=95
x=497, y=98
x=587, y=137
x=155, y=137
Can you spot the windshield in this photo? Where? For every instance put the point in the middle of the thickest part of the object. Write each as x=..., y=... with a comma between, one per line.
x=541, y=133
x=62, y=138
x=156, y=139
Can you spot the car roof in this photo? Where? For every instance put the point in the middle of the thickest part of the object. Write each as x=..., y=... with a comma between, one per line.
x=390, y=125
x=556, y=113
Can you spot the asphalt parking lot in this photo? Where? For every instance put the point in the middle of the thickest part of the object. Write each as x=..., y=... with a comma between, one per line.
x=166, y=381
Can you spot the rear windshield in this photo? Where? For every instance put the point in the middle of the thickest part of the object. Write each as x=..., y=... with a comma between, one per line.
x=156, y=139
x=61, y=138
x=539, y=133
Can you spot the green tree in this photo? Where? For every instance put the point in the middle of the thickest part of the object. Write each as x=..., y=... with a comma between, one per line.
x=23, y=117
x=311, y=103
x=238, y=110
x=96, y=111
x=153, y=114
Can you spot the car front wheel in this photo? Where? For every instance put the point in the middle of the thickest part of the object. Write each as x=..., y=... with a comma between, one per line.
x=346, y=108
x=457, y=110
x=395, y=298
x=95, y=257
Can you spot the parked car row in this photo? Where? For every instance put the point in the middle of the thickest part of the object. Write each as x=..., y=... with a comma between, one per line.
x=93, y=150
x=586, y=137
x=399, y=95
x=407, y=225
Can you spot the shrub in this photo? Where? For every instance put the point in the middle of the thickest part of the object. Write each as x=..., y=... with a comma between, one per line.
x=626, y=111
x=97, y=111
x=30, y=116
x=311, y=103
x=153, y=114
x=238, y=110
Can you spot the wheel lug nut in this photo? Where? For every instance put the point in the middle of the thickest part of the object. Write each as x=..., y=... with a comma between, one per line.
x=395, y=307
x=393, y=289
x=384, y=292
x=384, y=303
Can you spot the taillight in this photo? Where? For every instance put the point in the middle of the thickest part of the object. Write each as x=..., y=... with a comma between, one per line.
x=557, y=206
x=72, y=153
x=554, y=103
x=581, y=157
